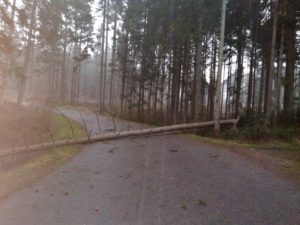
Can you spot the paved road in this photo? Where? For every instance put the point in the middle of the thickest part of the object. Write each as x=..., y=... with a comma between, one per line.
x=160, y=180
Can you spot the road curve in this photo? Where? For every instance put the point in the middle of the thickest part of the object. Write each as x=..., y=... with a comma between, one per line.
x=158, y=180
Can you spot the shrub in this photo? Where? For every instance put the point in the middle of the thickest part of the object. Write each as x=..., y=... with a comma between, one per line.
x=230, y=134
x=251, y=120
x=288, y=119
x=285, y=134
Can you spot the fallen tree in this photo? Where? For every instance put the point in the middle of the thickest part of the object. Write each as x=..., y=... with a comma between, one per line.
x=116, y=135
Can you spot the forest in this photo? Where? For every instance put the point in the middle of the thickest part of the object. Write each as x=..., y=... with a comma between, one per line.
x=155, y=61
x=146, y=112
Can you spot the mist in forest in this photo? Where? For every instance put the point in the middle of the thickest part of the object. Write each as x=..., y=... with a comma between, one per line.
x=155, y=60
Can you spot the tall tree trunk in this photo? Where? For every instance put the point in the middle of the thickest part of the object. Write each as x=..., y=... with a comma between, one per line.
x=253, y=55
x=279, y=77
x=57, y=75
x=187, y=72
x=101, y=87
x=157, y=83
x=150, y=94
x=290, y=55
x=78, y=77
x=176, y=84
x=28, y=48
x=240, y=52
x=262, y=85
x=268, y=98
x=10, y=64
x=217, y=112
x=162, y=90
x=227, y=104
x=254, y=82
x=252, y=71
x=204, y=84
x=113, y=63
x=124, y=72
x=63, y=65
x=105, y=64
x=198, y=81
x=169, y=94
x=141, y=100
x=212, y=82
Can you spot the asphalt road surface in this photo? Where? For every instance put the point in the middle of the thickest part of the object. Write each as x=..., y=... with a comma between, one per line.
x=158, y=180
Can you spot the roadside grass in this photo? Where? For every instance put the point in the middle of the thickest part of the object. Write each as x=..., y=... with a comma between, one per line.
x=287, y=153
x=82, y=107
x=42, y=163
x=293, y=146
x=23, y=176
x=75, y=107
x=65, y=128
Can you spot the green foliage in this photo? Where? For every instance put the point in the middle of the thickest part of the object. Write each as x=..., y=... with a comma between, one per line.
x=286, y=119
x=289, y=119
x=62, y=129
x=260, y=134
x=285, y=134
x=251, y=119
x=251, y=128
x=205, y=131
x=230, y=134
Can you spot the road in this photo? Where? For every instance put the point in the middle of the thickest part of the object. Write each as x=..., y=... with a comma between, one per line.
x=159, y=180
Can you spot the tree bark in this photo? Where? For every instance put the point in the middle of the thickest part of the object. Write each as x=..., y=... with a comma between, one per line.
x=105, y=64
x=279, y=77
x=217, y=112
x=290, y=56
x=198, y=81
x=101, y=88
x=113, y=63
x=124, y=72
x=239, y=77
x=28, y=48
x=268, y=99
x=10, y=64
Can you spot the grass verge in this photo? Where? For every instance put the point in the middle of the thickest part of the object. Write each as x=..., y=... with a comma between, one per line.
x=282, y=157
x=276, y=145
x=40, y=165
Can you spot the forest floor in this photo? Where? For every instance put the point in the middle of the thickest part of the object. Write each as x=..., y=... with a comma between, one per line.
x=21, y=126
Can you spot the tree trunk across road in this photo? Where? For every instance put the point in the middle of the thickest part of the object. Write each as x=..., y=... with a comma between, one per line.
x=163, y=180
